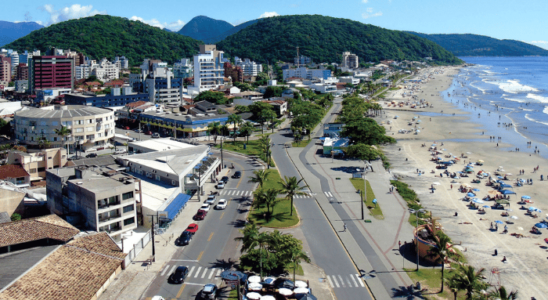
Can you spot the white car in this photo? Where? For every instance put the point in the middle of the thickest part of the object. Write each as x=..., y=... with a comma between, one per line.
x=221, y=204
x=120, y=151
x=205, y=207
x=220, y=185
x=210, y=200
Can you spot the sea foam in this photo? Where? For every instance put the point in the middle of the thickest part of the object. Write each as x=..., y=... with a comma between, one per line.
x=512, y=86
x=538, y=98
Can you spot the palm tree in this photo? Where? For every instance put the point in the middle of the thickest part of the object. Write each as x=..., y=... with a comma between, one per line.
x=502, y=294
x=247, y=129
x=297, y=256
x=63, y=132
x=236, y=120
x=291, y=187
x=224, y=130
x=469, y=280
x=259, y=177
x=440, y=252
x=454, y=286
x=264, y=143
x=260, y=240
x=214, y=129
x=270, y=200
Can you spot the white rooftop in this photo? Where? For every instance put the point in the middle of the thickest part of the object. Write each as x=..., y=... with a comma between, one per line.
x=161, y=144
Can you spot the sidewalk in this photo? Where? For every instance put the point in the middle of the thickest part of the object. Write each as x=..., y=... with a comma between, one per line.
x=137, y=277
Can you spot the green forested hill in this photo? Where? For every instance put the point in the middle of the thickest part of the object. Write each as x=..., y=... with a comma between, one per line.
x=106, y=36
x=479, y=45
x=325, y=38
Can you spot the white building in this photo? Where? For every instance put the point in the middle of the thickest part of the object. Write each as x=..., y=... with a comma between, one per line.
x=249, y=68
x=183, y=68
x=82, y=72
x=349, y=79
x=305, y=73
x=14, y=61
x=105, y=70
x=161, y=89
x=350, y=60
x=208, y=70
x=122, y=62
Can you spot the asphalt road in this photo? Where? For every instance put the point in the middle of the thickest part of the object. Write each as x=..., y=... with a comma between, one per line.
x=213, y=248
x=326, y=248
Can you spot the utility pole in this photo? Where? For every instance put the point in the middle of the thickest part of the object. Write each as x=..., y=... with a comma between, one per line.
x=222, y=161
x=362, y=195
x=153, y=245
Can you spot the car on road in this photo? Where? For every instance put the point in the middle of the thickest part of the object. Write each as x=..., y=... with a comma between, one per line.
x=200, y=215
x=224, y=179
x=179, y=275
x=184, y=238
x=237, y=174
x=221, y=204
x=220, y=185
x=120, y=151
x=139, y=130
x=148, y=132
x=205, y=207
x=209, y=291
x=210, y=199
x=156, y=135
x=91, y=155
x=192, y=228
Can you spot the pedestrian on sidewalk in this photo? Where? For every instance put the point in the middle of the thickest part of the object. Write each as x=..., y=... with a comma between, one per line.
x=399, y=244
x=344, y=227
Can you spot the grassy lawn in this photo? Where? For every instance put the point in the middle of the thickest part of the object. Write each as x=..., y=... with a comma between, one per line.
x=302, y=143
x=430, y=279
x=279, y=219
x=374, y=210
x=298, y=272
x=252, y=148
x=274, y=180
x=233, y=295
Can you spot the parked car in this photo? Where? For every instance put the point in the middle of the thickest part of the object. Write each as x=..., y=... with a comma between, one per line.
x=209, y=291
x=91, y=155
x=220, y=185
x=184, y=238
x=192, y=228
x=211, y=199
x=179, y=275
x=200, y=215
x=120, y=151
x=205, y=207
x=224, y=179
x=221, y=204
x=156, y=135
x=237, y=174
x=148, y=132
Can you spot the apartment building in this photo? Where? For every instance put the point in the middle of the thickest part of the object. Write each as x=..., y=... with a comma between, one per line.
x=306, y=73
x=183, y=68
x=350, y=60
x=208, y=69
x=37, y=163
x=82, y=72
x=249, y=68
x=14, y=61
x=121, y=62
x=105, y=70
x=117, y=97
x=103, y=198
x=51, y=72
x=22, y=71
x=302, y=60
x=5, y=69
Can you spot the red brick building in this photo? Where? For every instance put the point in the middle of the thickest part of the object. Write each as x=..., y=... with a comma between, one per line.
x=47, y=72
x=22, y=72
x=5, y=68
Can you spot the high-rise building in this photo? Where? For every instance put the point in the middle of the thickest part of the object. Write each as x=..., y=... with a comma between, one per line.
x=305, y=73
x=183, y=68
x=234, y=72
x=303, y=60
x=208, y=69
x=5, y=69
x=350, y=60
x=51, y=72
x=14, y=61
x=81, y=72
x=123, y=62
x=250, y=68
x=22, y=71
x=105, y=70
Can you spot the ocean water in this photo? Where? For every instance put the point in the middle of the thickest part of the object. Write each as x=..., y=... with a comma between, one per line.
x=502, y=90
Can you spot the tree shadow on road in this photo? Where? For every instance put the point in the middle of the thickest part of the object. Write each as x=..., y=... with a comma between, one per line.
x=224, y=264
x=407, y=292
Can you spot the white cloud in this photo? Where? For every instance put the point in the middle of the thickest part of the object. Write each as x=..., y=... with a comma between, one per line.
x=173, y=26
x=370, y=13
x=74, y=11
x=365, y=1
x=269, y=14
x=39, y=22
x=542, y=44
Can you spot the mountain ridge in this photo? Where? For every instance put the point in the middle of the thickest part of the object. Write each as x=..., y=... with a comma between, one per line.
x=11, y=31
x=203, y=28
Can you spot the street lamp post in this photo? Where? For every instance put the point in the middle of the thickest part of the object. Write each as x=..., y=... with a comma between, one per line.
x=222, y=161
x=416, y=212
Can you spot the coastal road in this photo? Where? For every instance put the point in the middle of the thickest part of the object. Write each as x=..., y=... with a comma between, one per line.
x=326, y=249
x=213, y=247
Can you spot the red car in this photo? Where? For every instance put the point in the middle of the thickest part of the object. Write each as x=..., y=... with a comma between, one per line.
x=200, y=215
x=127, y=128
x=192, y=228
x=148, y=132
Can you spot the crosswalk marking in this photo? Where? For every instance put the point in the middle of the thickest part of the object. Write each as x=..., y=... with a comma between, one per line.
x=191, y=269
x=360, y=280
x=164, y=271
x=330, y=282
x=342, y=281
x=172, y=269
x=218, y=273
x=335, y=281
x=328, y=194
x=211, y=274
x=348, y=281
x=354, y=280
x=205, y=271
x=197, y=272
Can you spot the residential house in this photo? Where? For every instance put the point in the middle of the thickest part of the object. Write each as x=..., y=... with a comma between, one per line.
x=15, y=174
x=37, y=163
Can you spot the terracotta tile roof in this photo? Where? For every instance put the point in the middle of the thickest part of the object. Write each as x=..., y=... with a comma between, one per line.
x=27, y=230
x=114, y=83
x=76, y=271
x=136, y=104
x=12, y=171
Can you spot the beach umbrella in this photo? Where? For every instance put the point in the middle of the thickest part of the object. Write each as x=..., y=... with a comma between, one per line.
x=268, y=297
x=514, y=217
x=541, y=225
x=434, y=145
x=254, y=279
x=522, y=180
x=253, y=296
x=255, y=286
x=305, y=297
x=504, y=185
x=520, y=228
x=499, y=222
x=476, y=190
x=269, y=280
x=486, y=206
x=285, y=292
x=470, y=195
x=300, y=284
x=478, y=201
x=525, y=197
x=301, y=290
x=500, y=177
x=507, y=192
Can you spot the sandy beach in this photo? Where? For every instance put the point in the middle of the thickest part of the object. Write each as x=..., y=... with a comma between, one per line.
x=525, y=269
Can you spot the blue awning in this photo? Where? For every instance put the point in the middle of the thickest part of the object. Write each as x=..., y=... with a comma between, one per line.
x=176, y=205
x=322, y=139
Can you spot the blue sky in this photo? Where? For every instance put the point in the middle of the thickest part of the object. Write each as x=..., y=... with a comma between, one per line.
x=503, y=19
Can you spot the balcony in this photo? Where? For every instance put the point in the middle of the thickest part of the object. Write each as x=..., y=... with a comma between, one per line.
x=102, y=205
x=103, y=219
x=110, y=228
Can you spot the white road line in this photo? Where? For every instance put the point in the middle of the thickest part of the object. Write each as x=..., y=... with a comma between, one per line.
x=348, y=281
x=218, y=273
x=342, y=281
x=197, y=272
x=204, y=274
x=211, y=274
x=335, y=281
x=330, y=282
x=172, y=269
x=354, y=280
x=190, y=272
x=326, y=194
x=360, y=280
x=238, y=193
x=164, y=271
x=330, y=195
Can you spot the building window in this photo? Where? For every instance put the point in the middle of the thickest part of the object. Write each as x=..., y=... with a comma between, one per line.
x=79, y=129
x=129, y=221
x=129, y=208
x=32, y=170
x=128, y=195
x=41, y=169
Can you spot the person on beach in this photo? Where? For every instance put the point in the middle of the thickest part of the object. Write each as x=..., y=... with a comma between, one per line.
x=344, y=227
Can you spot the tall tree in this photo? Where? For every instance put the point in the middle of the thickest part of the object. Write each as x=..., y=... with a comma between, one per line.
x=502, y=294
x=246, y=130
x=214, y=128
x=440, y=252
x=236, y=120
x=469, y=280
x=297, y=257
x=259, y=176
x=63, y=132
x=292, y=187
